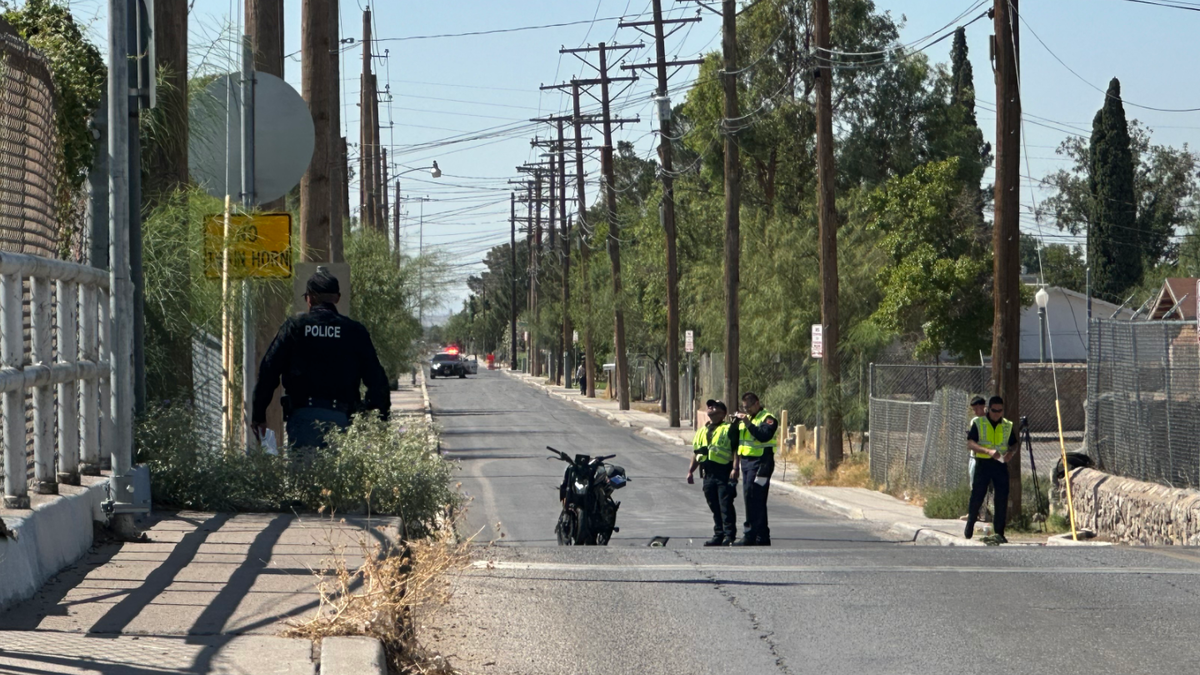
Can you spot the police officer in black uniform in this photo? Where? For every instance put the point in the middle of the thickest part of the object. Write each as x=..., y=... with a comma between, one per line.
x=322, y=357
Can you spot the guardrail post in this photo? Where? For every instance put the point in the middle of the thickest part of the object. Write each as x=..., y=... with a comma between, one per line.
x=12, y=345
x=67, y=297
x=106, y=419
x=46, y=482
x=89, y=414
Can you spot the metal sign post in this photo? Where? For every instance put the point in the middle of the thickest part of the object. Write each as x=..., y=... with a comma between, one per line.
x=689, y=346
x=818, y=352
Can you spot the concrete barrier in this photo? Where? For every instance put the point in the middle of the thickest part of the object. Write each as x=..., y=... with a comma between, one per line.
x=50, y=537
x=1135, y=512
x=352, y=656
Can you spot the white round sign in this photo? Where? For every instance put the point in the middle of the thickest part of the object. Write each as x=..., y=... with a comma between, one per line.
x=283, y=138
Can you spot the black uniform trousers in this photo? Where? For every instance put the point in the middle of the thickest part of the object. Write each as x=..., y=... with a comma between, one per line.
x=757, y=530
x=720, y=494
x=995, y=473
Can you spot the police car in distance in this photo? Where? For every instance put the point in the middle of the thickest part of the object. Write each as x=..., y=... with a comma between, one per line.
x=447, y=364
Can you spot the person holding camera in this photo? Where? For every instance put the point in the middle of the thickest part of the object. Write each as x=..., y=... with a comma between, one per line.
x=756, y=429
x=993, y=443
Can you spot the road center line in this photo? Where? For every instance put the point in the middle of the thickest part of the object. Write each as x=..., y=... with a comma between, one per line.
x=485, y=565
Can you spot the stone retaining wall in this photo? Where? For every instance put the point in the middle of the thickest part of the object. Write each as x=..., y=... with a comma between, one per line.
x=1135, y=512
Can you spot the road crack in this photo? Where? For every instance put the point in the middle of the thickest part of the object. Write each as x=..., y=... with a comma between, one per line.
x=766, y=636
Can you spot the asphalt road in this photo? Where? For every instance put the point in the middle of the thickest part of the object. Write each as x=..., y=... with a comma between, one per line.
x=829, y=597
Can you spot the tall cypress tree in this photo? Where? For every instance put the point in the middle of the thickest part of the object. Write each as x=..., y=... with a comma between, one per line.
x=1115, y=251
x=964, y=134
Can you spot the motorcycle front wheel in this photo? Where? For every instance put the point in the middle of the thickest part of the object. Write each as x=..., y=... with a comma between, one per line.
x=567, y=528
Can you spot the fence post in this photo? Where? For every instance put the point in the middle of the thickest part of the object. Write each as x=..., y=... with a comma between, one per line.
x=104, y=335
x=907, y=438
x=1166, y=365
x=1137, y=410
x=43, y=395
x=89, y=463
x=67, y=298
x=16, y=491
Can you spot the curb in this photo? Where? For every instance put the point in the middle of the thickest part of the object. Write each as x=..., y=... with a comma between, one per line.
x=434, y=439
x=919, y=535
x=661, y=435
x=352, y=656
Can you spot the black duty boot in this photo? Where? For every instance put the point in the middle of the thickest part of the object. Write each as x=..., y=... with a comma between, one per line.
x=715, y=541
x=969, y=530
x=744, y=542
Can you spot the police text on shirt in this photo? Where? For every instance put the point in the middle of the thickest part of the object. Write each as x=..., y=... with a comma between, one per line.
x=323, y=331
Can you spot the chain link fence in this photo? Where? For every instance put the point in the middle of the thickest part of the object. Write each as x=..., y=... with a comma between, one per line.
x=920, y=443
x=29, y=152
x=1143, y=412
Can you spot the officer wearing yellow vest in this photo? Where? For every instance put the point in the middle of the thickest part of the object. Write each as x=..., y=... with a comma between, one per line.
x=713, y=455
x=755, y=462
x=993, y=443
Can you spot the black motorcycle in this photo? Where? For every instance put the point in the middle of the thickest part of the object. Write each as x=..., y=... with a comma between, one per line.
x=589, y=515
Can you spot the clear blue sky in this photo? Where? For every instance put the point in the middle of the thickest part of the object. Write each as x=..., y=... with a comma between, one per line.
x=451, y=85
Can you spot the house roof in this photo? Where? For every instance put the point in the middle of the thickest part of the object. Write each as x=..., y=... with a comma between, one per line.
x=1173, y=291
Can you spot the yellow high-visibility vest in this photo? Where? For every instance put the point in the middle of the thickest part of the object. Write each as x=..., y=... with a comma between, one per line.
x=992, y=437
x=712, y=445
x=748, y=445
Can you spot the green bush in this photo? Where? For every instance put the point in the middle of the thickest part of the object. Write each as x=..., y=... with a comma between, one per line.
x=372, y=467
x=948, y=505
x=382, y=298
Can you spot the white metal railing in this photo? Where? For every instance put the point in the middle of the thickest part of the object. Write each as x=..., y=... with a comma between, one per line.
x=73, y=373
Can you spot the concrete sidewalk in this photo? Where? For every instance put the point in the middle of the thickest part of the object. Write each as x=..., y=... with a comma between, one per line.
x=880, y=510
x=208, y=593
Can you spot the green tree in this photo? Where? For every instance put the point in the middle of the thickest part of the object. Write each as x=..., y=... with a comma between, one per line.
x=1114, y=220
x=936, y=287
x=383, y=298
x=1059, y=264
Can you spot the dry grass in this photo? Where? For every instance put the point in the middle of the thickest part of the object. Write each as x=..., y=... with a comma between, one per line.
x=396, y=588
x=853, y=472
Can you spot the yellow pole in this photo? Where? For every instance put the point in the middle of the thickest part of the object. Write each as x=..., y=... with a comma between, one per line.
x=1062, y=443
x=226, y=351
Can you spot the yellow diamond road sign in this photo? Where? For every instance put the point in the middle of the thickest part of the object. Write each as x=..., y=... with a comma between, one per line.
x=260, y=246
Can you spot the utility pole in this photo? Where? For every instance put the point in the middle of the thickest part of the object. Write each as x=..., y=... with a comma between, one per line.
x=512, y=309
x=553, y=247
x=589, y=362
x=140, y=81
x=610, y=194
x=316, y=75
x=827, y=225
x=733, y=201
x=668, y=203
x=383, y=193
x=378, y=180
x=535, y=267
x=366, y=135
x=565, y=344
x=337, y=170
x=1006, y=329
x=264, y=25
x=396, y=223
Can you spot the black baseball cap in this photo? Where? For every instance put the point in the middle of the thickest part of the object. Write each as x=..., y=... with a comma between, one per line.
x=978, y=400
x=323, y=283
x=714, y=403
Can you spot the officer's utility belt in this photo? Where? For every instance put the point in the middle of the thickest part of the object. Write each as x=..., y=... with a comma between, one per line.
x=291, y=404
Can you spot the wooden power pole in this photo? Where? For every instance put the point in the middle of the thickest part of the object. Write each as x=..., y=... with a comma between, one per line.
x=264, y=25
x=589, y=355
x=827, y=224
x=366, y=133
x=565, y=342
x=316, y=200
x=512, y=309
x=668, y=203
x=1006, y=329
x=733, y=200
x=337, y=171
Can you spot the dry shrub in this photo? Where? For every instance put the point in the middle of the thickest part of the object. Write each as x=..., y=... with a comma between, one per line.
x=398, y=586
x=853, y=472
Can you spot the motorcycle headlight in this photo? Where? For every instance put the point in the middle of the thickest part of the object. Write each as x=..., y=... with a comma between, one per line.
x=581, y=488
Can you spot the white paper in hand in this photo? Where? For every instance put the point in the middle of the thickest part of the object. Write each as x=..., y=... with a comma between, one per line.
x=760, y=480
x=269, y=444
